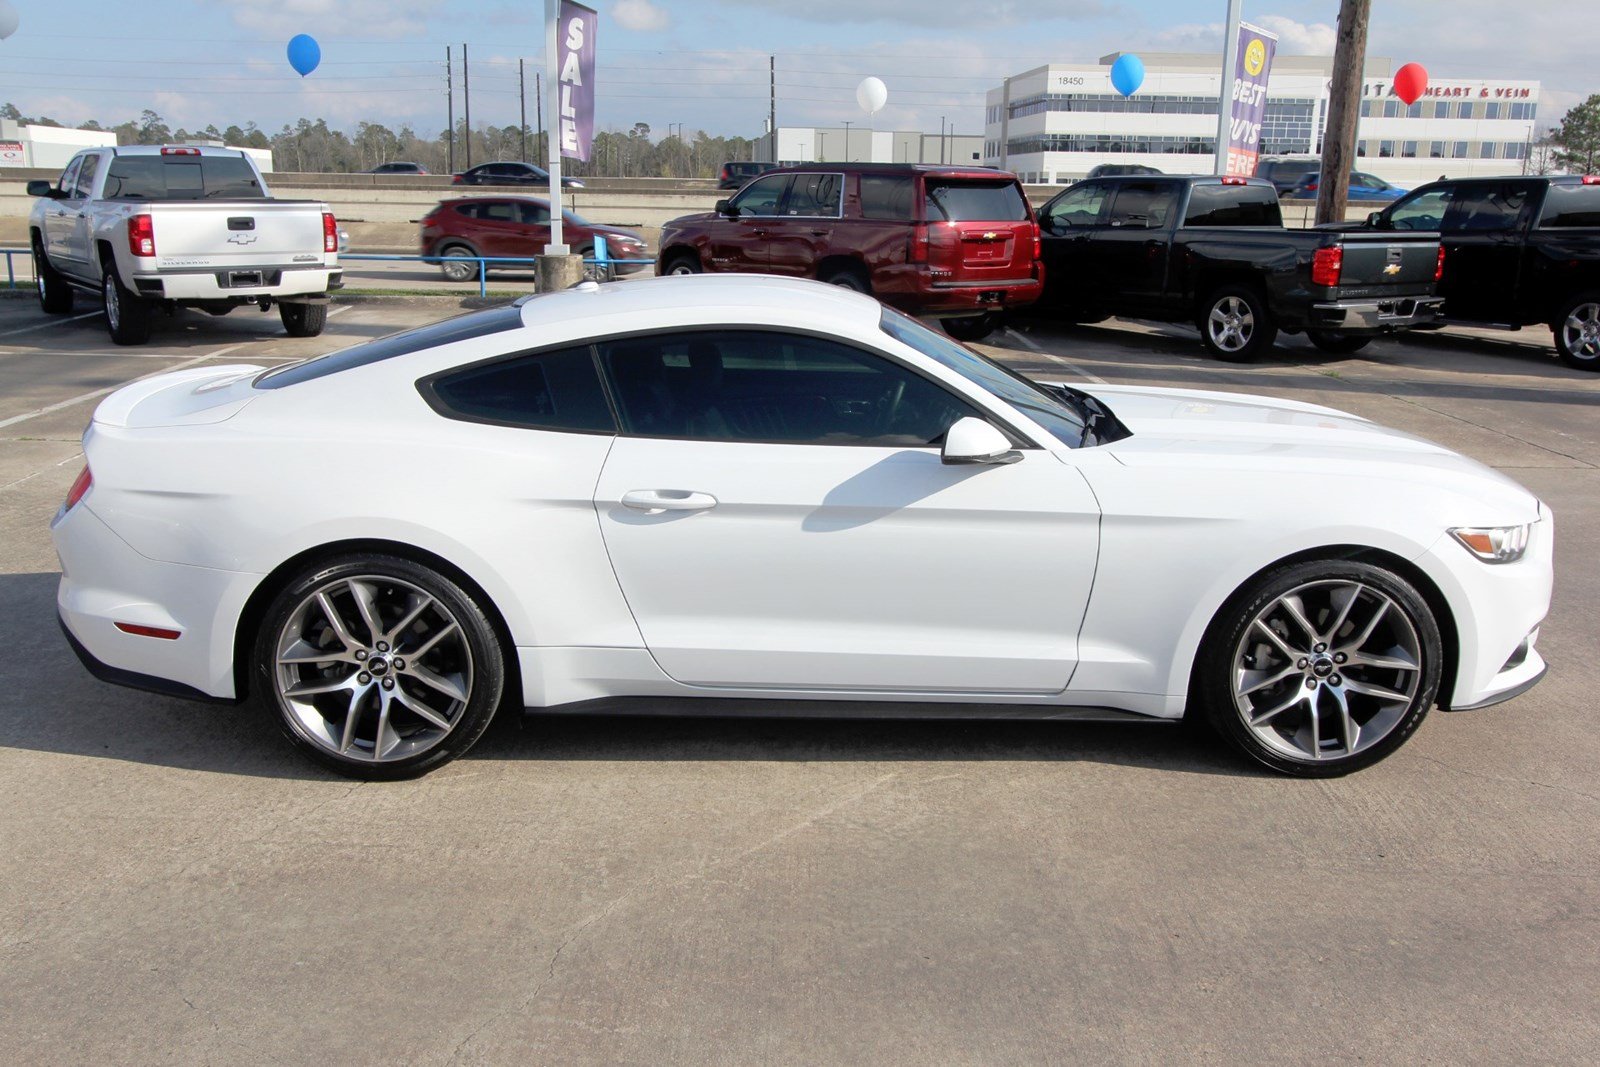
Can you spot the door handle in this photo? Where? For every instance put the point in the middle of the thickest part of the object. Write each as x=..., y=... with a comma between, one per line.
x=819, y=233
x=655, y=500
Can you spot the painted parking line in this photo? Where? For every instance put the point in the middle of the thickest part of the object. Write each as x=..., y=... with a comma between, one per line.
x=52, y=322
x=1028, y=343
x=13, y=420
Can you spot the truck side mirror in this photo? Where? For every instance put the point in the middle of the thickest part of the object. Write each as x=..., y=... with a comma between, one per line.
x=1375, y=220
x=723, y=208
x=44, y=188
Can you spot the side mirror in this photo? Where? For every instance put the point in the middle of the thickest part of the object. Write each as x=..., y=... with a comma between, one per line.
x=1375, y=220
x=724, y=208
x=972, y=440
x=1053, y=224
x=42, y=187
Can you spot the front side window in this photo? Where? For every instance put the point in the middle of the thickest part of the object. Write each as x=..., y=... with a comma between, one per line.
x=761, y=197
x=1421, y=211
x=557, y=390
x=773, y=387
x=1082, y=205
x=815, y=195
x=85, y=183
x=69, y=177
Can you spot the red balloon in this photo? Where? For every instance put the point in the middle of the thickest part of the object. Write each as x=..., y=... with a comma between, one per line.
x=1410, y=81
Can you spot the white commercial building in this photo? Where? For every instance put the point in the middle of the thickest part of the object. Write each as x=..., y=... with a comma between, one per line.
x=858, y=144
x=1053, y=123
x=50, y=147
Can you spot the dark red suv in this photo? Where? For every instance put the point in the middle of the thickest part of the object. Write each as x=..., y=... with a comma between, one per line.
x=515, y=227
x=955, y=243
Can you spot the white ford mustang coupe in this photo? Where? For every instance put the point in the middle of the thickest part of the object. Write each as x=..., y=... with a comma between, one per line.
x=778, y=496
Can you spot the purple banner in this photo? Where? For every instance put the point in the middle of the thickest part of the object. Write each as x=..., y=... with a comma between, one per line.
x=1248, y=102
x=575, y=35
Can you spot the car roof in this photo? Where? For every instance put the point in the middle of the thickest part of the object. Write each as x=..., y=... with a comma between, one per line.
x=188, y=149
x=733, y=299
x=940, y=170
x=472, y=198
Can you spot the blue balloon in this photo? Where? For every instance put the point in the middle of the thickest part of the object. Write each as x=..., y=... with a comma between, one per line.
x=304, y=53
x=1127, y=74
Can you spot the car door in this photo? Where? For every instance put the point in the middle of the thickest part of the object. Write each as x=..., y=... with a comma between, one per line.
x=1130, y=251
x=497, y=228
x=1482, y=250
x=79, y=242
x=739, y=241
x=533, y=230
x=1066, y=226
x=60, y=219
x=779, y=517
x=803, y=234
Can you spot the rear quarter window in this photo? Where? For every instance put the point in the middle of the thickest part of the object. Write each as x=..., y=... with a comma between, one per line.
x=1571, y=206
x=1233, y=205
x=557, y=390
x=886, y=196
x=973, y=200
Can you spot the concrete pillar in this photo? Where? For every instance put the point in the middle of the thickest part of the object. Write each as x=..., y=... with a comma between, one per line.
x=559, y=272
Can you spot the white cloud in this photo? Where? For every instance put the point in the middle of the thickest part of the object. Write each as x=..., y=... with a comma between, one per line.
x=639, y=15
x=325, y=19
x=1294, y=38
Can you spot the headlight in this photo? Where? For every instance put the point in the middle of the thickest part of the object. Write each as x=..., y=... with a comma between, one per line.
x=1494, y=544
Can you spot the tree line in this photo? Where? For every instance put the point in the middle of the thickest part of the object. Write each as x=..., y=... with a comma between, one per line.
x=311, y=145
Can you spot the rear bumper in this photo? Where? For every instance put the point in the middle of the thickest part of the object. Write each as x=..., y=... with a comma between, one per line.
x=951, y=299
x=232, y=282
x=1404, y=312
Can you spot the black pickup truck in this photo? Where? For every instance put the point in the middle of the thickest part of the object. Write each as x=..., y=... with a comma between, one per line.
x=1518, y=252
x=1213, y=251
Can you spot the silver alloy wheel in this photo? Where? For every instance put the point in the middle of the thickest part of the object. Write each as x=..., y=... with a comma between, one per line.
x=1327, y=670
x=1231, y=323
x=373, y=668
x=459, y=264
x=681, y=266
x=113, y=302
x=1581, y=331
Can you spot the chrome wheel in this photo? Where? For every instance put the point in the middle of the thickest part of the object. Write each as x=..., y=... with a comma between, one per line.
x=1580, y=331
x=459, y=265
x=372, y=668
x=113, y=303
x=1327, y=670
x=1231, y=324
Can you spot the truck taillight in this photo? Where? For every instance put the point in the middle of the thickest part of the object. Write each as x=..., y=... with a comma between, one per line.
x=141, y=235
x=1438, y=265
x=80, y=486
x=919, y=244
x=1327, y=264
x=1591, y=179
x=1234, y=179
x=180, y=151
x=1038, y=244
x=330, y=233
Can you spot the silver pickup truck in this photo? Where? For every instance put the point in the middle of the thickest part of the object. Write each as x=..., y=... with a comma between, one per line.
x=147, y=226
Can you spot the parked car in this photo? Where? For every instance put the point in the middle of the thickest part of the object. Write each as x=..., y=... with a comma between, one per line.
x=1519, y=251
x=1121, y=170
x=398, y=168
x=1213, y=251
x=1363, y=187
x=511, y=174
x=957, y=243
x=516, y=226
x=794, y=499
x=145, y=227
x=1285, y=172
x=736, y=172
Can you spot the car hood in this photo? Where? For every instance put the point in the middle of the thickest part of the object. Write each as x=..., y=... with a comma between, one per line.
x=1214, y=431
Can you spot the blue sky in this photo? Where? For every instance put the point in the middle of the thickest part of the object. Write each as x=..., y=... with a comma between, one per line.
x=699, y=62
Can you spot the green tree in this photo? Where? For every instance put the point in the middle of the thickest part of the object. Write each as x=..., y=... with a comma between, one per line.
x=1577, y=139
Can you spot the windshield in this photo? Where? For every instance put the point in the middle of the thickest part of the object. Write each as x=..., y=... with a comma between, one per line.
x=1047, y=410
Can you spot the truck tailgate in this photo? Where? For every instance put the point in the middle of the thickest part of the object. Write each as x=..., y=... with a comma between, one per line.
x=237, y=233
x=1389, y=264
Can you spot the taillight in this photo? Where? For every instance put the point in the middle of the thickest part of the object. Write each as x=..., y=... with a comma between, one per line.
x=455, y=179
x=80, y=485
x=1327, y=264
x=1038, y=244
x=1438, y=265
x=1311, y=188
x=330, y=233
x=1591, y=179
x=919, y=243
x=1235, y=180
x=180, y=151
x=141, y=235
x=431, y=217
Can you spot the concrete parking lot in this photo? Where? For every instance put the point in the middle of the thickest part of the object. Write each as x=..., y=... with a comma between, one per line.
x=176, y=885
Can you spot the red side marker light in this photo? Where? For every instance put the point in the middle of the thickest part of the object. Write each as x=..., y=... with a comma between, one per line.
x=80, y=486
x=148, y=631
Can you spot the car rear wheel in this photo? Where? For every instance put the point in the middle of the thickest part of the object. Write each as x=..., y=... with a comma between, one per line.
x=1577, y=332
x=1337, y=342
x=972, y=328
x=127, y=315
x=379, y=667
x=459, y=264
x=1236, y=325
x=1318, y=669
x=847, y=278
x=683, y=263
x=55, y=295
x=303, y=320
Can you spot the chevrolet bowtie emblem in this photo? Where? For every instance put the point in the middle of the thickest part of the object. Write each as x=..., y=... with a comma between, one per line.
x=242, y=239
x=1393, y=268
x=991, y=235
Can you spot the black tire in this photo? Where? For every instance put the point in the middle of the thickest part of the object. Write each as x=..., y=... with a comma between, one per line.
x=1260, y=329
x=1576, y=329
x=456, y=264
x=485, y=669
x=55, y=295
x=682, y=263
x=847, y=278
x=303, y=320
x=1223, y=655
x=127, y=314
x=973, y=328
x=1337, y=342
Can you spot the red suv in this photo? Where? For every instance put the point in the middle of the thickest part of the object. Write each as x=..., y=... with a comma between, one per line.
x=514, y=227
x=956, y=243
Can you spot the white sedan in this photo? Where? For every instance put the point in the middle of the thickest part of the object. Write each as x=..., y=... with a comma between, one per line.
x=778, y=496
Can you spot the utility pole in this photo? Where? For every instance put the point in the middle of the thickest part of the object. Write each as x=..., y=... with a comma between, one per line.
x=1344, y=110
x=450, y=108
x=772, y=103
x=941, y=138
x=466, y=96
x=522, y=110
x=847, y=141
x=1230, y=48
x=538, y=107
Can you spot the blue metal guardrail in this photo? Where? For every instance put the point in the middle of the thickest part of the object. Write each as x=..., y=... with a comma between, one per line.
x=602, y=258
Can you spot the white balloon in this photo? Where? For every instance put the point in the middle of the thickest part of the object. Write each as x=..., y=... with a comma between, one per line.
x=872, y=94
x=8, y=20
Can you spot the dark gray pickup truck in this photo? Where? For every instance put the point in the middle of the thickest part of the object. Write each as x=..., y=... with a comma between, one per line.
x=1519, y=251
x=1213, y=251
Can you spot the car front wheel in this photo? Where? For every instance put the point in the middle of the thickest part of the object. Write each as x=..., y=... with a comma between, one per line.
x=378, y=667
x=1319, y=669
x=55, y=295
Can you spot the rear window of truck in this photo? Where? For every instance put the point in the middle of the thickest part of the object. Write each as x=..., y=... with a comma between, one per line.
x=1233, y=205
x=181, y=178
x=968, y=200
x=1569, y=206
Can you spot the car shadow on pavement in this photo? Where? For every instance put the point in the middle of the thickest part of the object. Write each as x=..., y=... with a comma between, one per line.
x=50, y=703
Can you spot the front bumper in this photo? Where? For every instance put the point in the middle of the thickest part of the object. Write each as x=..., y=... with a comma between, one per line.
x=232, y=283
x=1400, y=313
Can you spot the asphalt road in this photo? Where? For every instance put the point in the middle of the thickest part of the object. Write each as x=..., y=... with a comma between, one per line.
x=177, y=886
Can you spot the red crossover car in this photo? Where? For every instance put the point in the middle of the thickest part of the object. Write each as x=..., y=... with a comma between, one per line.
x=512, y=227
x=955, y=243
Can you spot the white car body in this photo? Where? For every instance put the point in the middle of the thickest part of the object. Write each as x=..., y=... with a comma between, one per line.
x=1075, y=582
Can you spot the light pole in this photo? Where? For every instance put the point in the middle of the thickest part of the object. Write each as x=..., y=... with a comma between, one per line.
x=847, y=142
